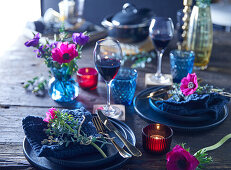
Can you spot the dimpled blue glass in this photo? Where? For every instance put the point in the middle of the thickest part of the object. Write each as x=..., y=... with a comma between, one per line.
x=62, y=88
x=123, y=87
x=181, y=64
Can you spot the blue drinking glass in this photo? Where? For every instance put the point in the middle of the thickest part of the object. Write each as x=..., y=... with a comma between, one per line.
x=181, y=64
x=124, y=86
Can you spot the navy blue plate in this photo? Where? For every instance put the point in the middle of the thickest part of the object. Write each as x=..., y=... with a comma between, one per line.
x=115, y=162
x=144, y=110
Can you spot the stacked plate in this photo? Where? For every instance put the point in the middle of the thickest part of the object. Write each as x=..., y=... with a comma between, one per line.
x=94, y=160
x=146, y=108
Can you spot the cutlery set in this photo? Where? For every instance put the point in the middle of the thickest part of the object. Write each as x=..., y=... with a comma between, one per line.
x=101, y=121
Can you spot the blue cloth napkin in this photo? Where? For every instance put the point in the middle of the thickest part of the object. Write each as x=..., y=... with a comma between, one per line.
x=210, y=104
x=34, y=131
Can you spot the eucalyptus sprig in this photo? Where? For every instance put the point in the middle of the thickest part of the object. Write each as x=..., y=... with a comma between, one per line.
x=37, y=85
x=64, y=129
x=139, y=60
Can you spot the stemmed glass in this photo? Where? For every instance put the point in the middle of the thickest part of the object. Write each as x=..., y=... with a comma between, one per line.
x=161, y=31
x=107, y=57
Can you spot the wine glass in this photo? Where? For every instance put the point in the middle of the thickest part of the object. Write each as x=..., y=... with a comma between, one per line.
x=107, y=57
x=161, y=31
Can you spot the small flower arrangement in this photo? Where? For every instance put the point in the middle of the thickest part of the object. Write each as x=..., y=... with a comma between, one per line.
x=65, y=129
x=59, y=54
x=189, y=85
x=180, y=157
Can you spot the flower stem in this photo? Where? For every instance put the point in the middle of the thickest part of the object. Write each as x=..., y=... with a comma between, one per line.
x=99, y=149
x=217, y=145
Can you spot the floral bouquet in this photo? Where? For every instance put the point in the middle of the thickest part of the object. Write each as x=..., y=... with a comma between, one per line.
x=61, y=57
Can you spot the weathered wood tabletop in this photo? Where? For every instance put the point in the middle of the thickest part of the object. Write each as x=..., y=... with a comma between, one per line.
x=19, y=64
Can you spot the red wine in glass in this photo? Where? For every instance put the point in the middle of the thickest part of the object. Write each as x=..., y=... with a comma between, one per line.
x=108, y=68
x=161, y=41
x=161, y=32
x=107, y=57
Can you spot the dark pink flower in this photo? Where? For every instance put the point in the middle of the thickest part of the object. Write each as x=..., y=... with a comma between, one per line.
x=189, y=84
x=34, y=42
x=50, y=115
x=64, y=52
x=80, y=38
x=180, y=159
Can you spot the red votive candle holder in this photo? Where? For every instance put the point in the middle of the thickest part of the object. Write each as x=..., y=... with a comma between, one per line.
x=157, y=138
x=87, y=78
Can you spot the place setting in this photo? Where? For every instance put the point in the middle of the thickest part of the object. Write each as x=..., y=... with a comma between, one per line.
x=100, y=103
x=89, y=143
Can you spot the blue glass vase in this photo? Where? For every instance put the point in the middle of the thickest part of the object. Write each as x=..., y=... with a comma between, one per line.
x=62, y=88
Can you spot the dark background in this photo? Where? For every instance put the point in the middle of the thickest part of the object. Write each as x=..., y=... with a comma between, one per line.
x=96, y=10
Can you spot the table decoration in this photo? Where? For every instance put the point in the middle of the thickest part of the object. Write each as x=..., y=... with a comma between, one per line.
x=200, y=34
x=87, y=78
x=180, y=157
x=157, y=138
x=124, y=85
x=181, y=64
x=61, y=57
x=64, y=134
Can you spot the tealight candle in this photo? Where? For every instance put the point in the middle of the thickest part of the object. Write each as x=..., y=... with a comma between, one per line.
x=87, y=78
x=157, y=138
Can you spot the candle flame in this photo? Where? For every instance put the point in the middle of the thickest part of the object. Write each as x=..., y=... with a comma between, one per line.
x=157, y=136
x=158, y=126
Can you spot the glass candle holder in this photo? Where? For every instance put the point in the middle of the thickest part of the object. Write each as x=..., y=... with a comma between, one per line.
x=87, y=78
x=124, y=86
x=181, y=64
x=157, y=138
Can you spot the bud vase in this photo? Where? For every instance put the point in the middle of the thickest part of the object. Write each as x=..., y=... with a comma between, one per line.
x=62, y=88
x=200, y=34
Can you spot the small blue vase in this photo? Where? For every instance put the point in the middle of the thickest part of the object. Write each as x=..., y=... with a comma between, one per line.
x=62, y=88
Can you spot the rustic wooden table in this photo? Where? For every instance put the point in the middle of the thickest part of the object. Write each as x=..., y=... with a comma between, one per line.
x=20, y=64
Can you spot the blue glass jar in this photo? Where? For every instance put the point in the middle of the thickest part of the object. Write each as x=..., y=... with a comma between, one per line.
x=123, y=87
x=181, y=64
x=62, y=88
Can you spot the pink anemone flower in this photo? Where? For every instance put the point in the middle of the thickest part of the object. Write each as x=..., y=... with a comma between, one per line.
x=64, y=52
x=180, y=159
x=189, y=84
x=50, y=115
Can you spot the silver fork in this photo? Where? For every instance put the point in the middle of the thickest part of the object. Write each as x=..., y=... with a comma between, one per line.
x=101, y=130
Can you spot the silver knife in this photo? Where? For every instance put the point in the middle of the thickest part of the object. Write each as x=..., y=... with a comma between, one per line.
x=132, y=149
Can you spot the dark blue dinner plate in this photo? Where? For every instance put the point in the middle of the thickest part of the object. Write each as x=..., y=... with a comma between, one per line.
x=144, y=110
x=86, y=161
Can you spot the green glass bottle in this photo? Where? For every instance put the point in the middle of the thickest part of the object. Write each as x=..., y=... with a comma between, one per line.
x=200, y=34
